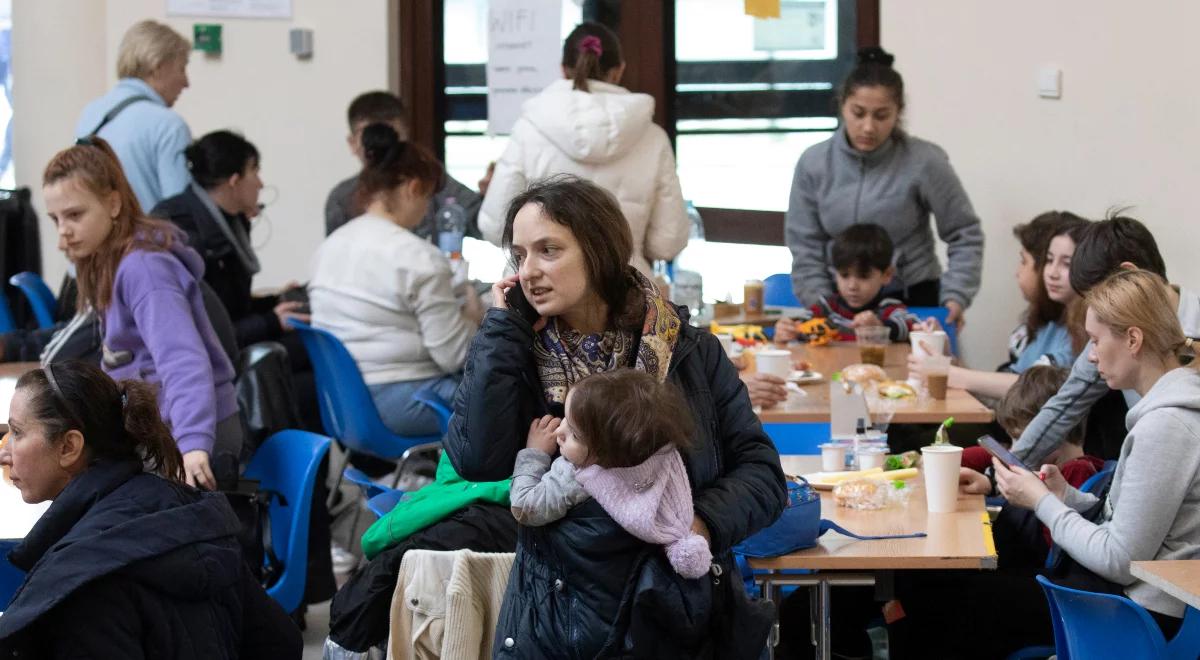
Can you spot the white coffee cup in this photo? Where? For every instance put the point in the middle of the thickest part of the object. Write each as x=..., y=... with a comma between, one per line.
x=774, y=361
x=726, y=340
x=935, y=341
x=871, y=457
x=833, y=457
x=940, y=465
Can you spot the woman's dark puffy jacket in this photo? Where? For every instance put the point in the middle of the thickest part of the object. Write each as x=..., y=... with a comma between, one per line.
x=582, y=587
x=125, y=564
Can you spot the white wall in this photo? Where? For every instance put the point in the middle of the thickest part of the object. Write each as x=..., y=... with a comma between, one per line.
x=292, y=110
x=1125, y=131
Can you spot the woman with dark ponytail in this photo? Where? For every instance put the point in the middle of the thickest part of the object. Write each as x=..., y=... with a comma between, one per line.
x=388, y=294
x=589, y=126
x=128, y=561
x=215, y=211
x=871, y=171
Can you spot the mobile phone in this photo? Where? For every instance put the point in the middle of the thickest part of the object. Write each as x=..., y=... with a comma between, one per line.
x=998, y=450
x=515, y=297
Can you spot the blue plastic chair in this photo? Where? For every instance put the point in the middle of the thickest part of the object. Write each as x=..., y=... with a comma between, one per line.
x=11, y=577
x=6, y=318
x=287, y=463
x=384, y=502
x=1107, y=626
x=941, y=314
x=777, y=291
x=347, y=410
x=798, y=439
x=40, y=297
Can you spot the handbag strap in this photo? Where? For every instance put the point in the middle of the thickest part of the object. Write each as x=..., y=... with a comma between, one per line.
x=827, y=525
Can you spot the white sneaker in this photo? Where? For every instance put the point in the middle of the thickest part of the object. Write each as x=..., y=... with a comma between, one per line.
x=344, y=561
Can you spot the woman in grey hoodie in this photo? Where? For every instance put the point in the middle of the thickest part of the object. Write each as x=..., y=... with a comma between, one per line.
x=1153, y=508
x=871, y=171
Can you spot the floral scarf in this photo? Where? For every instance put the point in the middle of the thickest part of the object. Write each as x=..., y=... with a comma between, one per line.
x=564, y=355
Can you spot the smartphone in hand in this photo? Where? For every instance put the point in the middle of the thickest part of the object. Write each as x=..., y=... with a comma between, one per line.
x=998, y=450
x=515, y=297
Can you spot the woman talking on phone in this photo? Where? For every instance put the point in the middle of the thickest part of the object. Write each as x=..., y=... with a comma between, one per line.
x=575, y=307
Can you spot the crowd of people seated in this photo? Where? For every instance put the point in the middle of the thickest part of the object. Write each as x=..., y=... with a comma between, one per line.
x=597, y=433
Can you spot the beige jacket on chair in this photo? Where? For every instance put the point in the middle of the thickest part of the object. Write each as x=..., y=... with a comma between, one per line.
x=439, y=591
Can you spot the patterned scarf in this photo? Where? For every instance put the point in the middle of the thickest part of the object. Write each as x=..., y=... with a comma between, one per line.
x=564, y=355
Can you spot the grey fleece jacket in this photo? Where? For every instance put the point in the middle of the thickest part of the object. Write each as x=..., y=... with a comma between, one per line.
x=896, y=186
x=1084, y=387
x=543, y=491
x=1153, y=508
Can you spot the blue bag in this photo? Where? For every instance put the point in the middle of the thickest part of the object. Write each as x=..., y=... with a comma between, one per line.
x=799, y=526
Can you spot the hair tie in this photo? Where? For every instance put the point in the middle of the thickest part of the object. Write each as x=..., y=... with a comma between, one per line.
x=85, y=141
x=591, y=44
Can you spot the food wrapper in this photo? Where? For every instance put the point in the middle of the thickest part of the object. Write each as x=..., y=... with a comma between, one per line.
x=871, y=494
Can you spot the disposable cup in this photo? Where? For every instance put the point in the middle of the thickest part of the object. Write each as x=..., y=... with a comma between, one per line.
x=940, y=465
x=774, y=361
x=935, y=341
x=833, y=457
x=871, y=457
x=726, y=340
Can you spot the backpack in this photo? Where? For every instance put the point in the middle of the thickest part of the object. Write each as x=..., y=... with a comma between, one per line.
x=252, y=506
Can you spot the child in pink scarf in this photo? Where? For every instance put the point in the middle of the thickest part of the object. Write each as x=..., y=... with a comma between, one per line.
x=619, y=444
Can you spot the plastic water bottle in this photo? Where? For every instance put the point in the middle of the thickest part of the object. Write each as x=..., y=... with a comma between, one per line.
x=452, y=226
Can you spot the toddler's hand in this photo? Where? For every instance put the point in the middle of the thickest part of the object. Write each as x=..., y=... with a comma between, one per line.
x=543, y=433
x=866, y=319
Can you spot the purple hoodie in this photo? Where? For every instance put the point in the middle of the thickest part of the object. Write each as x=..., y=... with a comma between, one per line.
x=157, y=314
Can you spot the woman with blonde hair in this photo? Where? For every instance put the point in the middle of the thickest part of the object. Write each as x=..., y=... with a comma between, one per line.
x=144, y=283
x=136, y=118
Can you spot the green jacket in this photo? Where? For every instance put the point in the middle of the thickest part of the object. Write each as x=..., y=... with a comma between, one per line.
x=420, y=509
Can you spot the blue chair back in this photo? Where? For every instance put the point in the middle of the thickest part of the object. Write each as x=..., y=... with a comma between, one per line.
x=777, y=291
x=288, y=463
x=941, y=314
x=1102, y=625
x=6, y=318
x=11, y=577
x=798, y=439
x=347, y=410
x=40, y=297
x=384, y=502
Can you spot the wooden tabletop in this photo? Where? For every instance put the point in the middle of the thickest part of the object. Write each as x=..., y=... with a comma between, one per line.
x=813, y=405
x=9, y=373
x=1180, y=578
x=962, y=539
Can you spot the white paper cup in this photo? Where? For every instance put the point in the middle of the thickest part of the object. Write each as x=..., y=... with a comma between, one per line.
x=871, y=457
x=726, y=340
x=940, y=465
x=833, y=457
x=775, y=362
x=936, y=341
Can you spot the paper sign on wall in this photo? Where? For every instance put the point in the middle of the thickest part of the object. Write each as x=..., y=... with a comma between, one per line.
x=524, y=53
x=231, y=8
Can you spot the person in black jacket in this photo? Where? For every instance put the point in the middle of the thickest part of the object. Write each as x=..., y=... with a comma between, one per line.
x=215, y=211
x=573, y=308
x=125, y=563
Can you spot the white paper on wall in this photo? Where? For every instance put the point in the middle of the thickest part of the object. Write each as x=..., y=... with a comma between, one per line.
x=524, y=55
x=231, y=8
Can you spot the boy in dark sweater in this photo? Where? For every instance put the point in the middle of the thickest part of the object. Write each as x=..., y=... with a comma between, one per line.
x=862, y=262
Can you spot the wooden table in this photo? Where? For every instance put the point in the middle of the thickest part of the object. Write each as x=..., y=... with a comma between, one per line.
x=813, y=405
x=1180, y=578
x=959, y=540
x=9, y=373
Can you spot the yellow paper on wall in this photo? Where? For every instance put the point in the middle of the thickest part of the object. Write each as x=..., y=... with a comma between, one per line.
x=762, y=8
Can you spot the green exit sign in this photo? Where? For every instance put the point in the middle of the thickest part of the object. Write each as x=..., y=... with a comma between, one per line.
x=206, y=37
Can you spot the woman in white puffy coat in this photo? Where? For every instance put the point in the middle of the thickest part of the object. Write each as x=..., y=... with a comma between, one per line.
x=589, y=126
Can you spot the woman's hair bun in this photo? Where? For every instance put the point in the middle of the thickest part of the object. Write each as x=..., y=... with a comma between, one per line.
x=380, y=143
x=875, y=55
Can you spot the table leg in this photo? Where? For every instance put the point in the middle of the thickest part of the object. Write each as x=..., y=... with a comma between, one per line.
x=824, y=627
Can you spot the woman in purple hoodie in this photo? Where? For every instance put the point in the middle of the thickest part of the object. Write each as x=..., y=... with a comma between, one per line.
x=142, y=279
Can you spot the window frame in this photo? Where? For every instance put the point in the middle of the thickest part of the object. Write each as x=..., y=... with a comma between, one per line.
x=649, y=49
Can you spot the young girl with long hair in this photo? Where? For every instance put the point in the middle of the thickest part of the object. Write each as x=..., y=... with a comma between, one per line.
x=143, y=281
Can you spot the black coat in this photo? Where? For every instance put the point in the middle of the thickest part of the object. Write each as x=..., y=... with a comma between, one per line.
x=126, y=564
x=585, y=584
x=253, y=318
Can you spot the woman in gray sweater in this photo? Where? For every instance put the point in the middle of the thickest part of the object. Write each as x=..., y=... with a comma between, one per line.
x=1153, y=508
x=871, y=171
